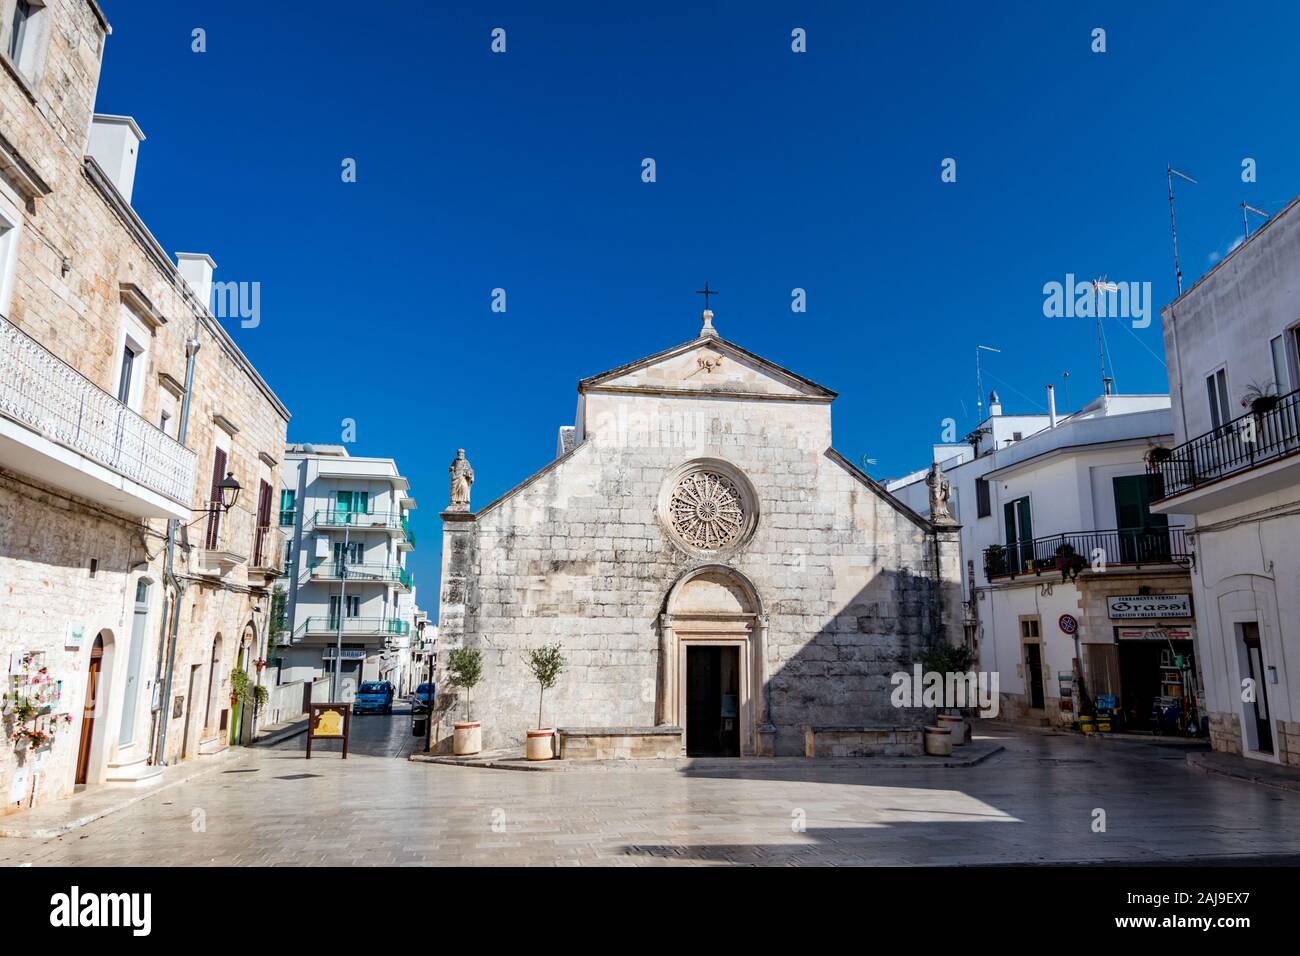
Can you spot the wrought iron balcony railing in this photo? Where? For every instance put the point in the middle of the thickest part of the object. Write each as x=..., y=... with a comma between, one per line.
x=43, y=392
x=1256, y=438
x=1080, y=550
x=365, y=520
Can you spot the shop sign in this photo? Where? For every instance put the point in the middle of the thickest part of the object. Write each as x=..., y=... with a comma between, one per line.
x=349, y=653
x=1155, y=633
x=1131, y=606
x=74, y=635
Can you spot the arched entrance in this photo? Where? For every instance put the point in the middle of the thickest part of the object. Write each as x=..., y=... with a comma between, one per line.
x=92, y=717
x=711, y=670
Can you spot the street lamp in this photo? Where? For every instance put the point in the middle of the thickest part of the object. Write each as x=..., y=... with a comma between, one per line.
x=229, y=489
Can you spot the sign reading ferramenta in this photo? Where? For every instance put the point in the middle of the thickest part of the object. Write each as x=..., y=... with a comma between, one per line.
x=1128, y=607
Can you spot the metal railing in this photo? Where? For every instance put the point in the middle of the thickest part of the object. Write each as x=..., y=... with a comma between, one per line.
x=329, y=624
x=1079, y=550
x=337, y=570
x=1255, y=438
x=43, y=392
x=336, y=518
x=226, y=532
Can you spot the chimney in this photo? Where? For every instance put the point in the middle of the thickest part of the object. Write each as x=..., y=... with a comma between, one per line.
x=1106, y=385
x=1051, y=406
x=196, y=269
x=995, y=404
x=114, y=144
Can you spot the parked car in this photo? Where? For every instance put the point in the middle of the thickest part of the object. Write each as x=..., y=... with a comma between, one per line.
x=374, y=696
x=424, y=695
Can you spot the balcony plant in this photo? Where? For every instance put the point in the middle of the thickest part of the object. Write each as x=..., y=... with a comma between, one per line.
x=1260, y=399
x=465, y=670
x=995, y=560
x=545, y=663
x=1069, y=562
x=1159, y=454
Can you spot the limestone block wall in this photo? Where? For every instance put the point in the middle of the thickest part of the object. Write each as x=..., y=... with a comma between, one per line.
x=578, y=555
x=78, y=245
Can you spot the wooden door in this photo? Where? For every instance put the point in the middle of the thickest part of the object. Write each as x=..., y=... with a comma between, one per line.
x=88, y=711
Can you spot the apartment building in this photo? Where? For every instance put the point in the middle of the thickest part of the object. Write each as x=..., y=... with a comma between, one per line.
x=128, y=418
x=348, y=588
x=1233, y=347
x=1066, y=561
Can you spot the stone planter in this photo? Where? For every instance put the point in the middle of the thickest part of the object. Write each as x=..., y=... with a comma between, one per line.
x=541, y=744
x=957, y=724
x=938, y=741
x=467, y=738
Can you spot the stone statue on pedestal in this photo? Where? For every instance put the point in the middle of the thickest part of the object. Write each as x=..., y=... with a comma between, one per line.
x=940, y=491
x=462, y=477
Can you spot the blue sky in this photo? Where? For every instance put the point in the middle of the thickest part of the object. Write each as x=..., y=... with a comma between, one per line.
x=775, y=170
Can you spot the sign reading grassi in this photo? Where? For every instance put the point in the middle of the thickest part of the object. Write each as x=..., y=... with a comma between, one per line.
x=1131, y=606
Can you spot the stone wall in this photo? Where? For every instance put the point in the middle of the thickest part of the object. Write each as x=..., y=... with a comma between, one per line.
x=578, y=555
x=79, y=244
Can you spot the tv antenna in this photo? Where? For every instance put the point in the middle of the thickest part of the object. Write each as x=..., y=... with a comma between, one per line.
x=1170, y=173
x=979, y=382
x=1245, y=220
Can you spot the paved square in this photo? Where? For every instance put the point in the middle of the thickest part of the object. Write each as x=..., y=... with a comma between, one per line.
x=1032, y=803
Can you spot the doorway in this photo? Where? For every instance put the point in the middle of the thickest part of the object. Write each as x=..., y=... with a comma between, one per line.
x=712, y=701
x=89, y=709
x=1034, y=675
x=191, y=707
x=1255, y=671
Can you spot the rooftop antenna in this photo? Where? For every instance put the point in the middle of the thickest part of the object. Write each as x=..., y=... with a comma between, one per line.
x=1245, y=220
x=1170, y=173
x=1098, y=287
x=979, y=382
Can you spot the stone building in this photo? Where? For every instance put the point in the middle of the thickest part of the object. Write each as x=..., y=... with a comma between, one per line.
x=1233, y=469
x=105, y=345
x=706, y=559
x=1067, y=566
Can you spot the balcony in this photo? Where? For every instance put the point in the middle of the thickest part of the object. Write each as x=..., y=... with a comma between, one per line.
x=393, y=574
x=268, y=552
x=1250, y=456
x=58, y=426
x=394, y=522
x=329, y=626
x=219, y=542
x=1078, y=551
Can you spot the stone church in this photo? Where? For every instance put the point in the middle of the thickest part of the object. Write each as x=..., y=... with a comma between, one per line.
x=707, y=560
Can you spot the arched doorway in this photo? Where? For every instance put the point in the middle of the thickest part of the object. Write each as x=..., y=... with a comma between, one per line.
x=711, y=673
x=93, y=705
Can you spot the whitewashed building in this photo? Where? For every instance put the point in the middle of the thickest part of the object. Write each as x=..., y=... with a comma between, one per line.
x=1059, y=541
x=1233, y=346
x=345, y=572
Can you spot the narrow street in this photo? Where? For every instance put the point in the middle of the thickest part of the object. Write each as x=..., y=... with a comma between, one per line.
x=1034, y=803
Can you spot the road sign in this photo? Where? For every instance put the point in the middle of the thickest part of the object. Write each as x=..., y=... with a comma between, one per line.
x=1068, y=624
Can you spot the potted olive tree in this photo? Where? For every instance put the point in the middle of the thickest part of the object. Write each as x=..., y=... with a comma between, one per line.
x=946, y=659
x=545, y=663
x=464, y=670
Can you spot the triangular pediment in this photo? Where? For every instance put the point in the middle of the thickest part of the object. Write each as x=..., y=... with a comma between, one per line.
x=708, y=365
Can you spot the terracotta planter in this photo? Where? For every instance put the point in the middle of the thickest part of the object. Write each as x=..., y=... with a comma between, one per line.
x=467, y=738
x=957, y=724
x=541, y=744
x=938, y=741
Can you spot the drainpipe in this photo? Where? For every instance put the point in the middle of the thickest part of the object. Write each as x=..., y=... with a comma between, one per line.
x=192, y=347
x=1051, y=406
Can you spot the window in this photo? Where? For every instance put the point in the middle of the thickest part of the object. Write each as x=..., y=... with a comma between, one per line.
x=8, y=255
x=982, y=505
x=286, y=507
x=1019, y=533
x=1281, y=368
x=18, y=30
x=288, y=555
x=1216, y=386
x=353, y=502
x=355, y=553
x=124, y=378
x=1029, y=628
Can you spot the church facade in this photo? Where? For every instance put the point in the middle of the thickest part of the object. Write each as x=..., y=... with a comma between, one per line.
x=705, y=558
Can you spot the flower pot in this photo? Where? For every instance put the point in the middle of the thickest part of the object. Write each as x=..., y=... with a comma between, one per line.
x=467, y=738
x=957, y=725
x=938, y=741
x=541, y=744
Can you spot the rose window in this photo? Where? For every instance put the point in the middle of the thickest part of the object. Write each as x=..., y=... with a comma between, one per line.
x=707, y=510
